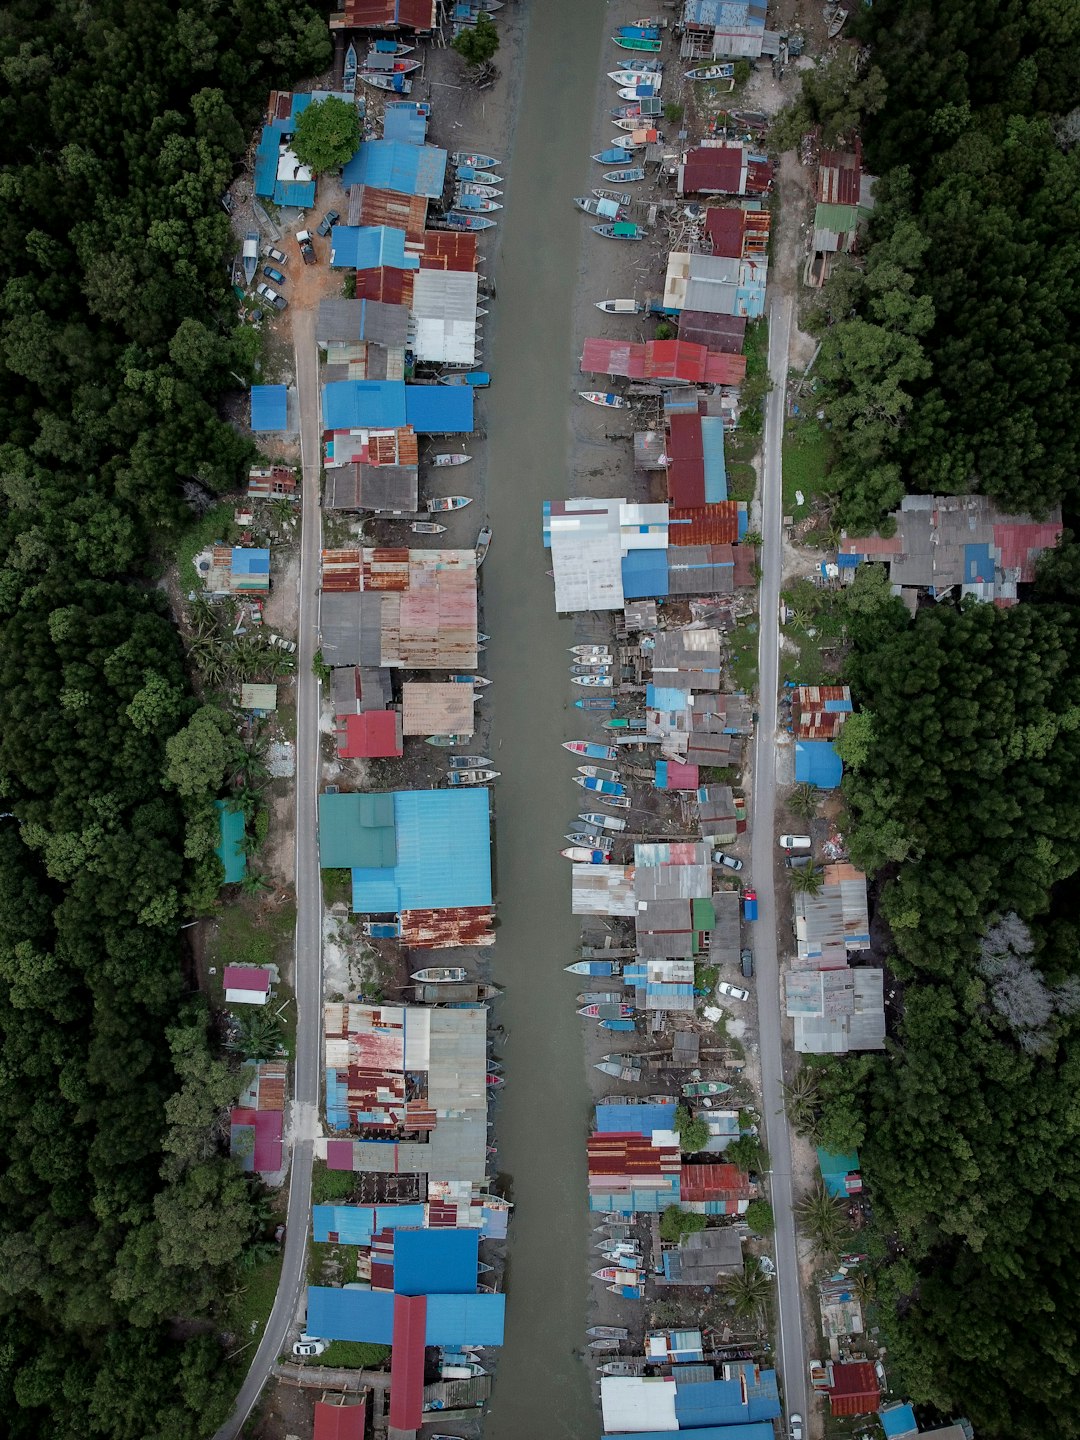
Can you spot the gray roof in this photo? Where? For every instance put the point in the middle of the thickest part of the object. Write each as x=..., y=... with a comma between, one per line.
x=672, y=882
x=685, y=1047
x=664, y=929
x=727, y=933
x=707, y=1254
x=349, y=626
x=718, y=803
x=700, y=570
x=372, y=487
x=345, y=321
x=640, y=614
x=687, y=659
x=344, y=688
x=649, y=449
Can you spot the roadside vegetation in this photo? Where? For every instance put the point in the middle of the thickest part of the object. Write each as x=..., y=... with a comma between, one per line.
x=126, y=1235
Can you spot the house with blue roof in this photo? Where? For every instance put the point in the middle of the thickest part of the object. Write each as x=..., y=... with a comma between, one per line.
x=406, y=121
x=397, y=165
x=391, y=404
x=840, y=1172
x=269, y=407
x=368, y=247
x=368, y=1315
x=818, y=764
x=619, y=1119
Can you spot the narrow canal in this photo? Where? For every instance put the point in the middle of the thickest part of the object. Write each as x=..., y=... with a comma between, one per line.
x=543, y=1388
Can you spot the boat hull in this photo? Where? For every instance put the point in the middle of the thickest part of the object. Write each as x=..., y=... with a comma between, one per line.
x=473, y=161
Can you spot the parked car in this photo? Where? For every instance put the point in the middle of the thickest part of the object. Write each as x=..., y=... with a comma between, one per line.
x=328, y=221
x=310, y=1347
x=796, y=1427
x=795, y=842
x=746, y=961
x=278, y=301
x=799, y=862
x=736, y=992
x=732, y=862
x=307, y=249
x=749, y=904
x=272, y=274
x=277, y=256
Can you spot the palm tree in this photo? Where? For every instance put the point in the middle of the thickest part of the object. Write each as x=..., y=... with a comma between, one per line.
x=807, y=880
x=254, y=884
x=748, y=1291
x=801, y=1102
x=864, y=1288
x=202, y=616
x=803, y=800
x=821, y=1216
x=258, y=1253
x=257, y=1035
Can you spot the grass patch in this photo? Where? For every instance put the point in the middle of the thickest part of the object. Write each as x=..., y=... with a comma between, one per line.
x=741, y=481
x=706, y=977
x=744, y=654
x=806, y=461
x=351, y=1355
x=337, y=887
x=216, y=524
x=251, y=1308
x=816, y=624
x=250, y=935
x=330, y=1185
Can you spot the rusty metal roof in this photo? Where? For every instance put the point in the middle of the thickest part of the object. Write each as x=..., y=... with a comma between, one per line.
x=446, y=929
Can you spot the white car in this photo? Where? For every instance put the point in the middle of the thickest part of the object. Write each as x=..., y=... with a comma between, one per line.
x=795, y=842
x=307, y=1345
x=796, y=1427
x=736, y=992
x=732, y=862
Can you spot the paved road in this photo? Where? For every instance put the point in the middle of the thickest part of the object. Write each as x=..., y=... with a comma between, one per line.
x=308, y=895
x=791, y=1361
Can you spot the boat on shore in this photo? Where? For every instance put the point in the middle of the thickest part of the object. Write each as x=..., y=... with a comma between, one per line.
x=613, y=794
x=609, y=822
x=595, y=653
x=600, y=997
x=580, y=855
x=621, y=198
x=621, y=230
x=627, y=76
x=466, y=173
x=483, y=545
x=595, y=682
x=705, y=1087
x=455, y=778
x=443, y=504
x=427, y=527
x=396, y=84
x=592, y=667
x=493, y=1081
x=604, y=1347
x=590, y=749
x=617, y=1275
x=440, y=975
x=710, y=72
x=608, y=1332
x=627, y=176
x=595, y=702
x=646, y=45
x=348, y=77
x=479, y=681
x=633, y=1366
x=597, y=969
x=462, y=220
x=250, y=256
x=596, y=772
x=628, y=1292
x=592, y=1012
x=472, y=160
x=450, y=459
x=640, y=67
x=630, y=1074
x=605, y=398
x=637, y=723
x=467, y=762
x=389, y=47
x=619, y=307
x=481, y=204
x=613, y=155
x=601, y=209
x=446, y=742
x=476, y=187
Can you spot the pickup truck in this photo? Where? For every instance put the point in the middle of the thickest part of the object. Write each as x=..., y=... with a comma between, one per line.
x=307, y=249
x=269, y=293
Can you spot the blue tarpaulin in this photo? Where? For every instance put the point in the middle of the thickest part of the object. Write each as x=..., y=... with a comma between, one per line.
x=439, y=409
x=435, y=1260
x=395, y=165
x=817, y=763
x=269, y=407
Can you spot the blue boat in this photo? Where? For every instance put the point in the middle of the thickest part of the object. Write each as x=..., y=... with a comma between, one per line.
x=616, y=155
x=478, y=379
x=591, y=967
x=617, y=1025
x=595, y=702
x=483, y=177
x=600, y=787
x=348, y=82
x=638, y=32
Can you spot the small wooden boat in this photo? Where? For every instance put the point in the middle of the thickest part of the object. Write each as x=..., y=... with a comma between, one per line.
x=475, y=187
x=628, y=122
x=494, y=1082
x=595, y=702
x=628, y=75
x=447, y=459
x=396, y=84
x=608, y=822
x=652, y=22
x=444, y=742
x=348, y=80
x=705, y=1087
x=639, y=67
x=600, y=997
x=589, y=652
x=251, y=255
x=608, y=1332
x=614, y=155
x=621, y=198
x=640, y=30
x=478, y=681
x=389, y=47
x=462, y=220
x=619, y=231
x=467, y=762
x=472, y=160
x=427, y=527
x=605, y=398
x=604, y=1347
x=593, y=682
x=632, y=724
x=479, y=204
x=605, y=788
x=455, y=778
x=625, y=177
x=582, y=856
x=582, y=837
x=599, y=969
x=440, y=975
x=618, y=1069
x=592, y=667
x=483, y=545
x=602, y=209
x=711, y=72
x=632, y=1366
x=443, y=504
x=616, y=1275
x=467, y=173
x=597, y=772
x=646, y=46
x=590, y=749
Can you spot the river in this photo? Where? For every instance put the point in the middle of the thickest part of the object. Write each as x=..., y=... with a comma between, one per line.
x=543, y=1388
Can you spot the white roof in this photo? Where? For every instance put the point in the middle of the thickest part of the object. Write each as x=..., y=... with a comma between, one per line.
x=588, y=571
x=442, y=316
x=634, y=1402
x=289, y=167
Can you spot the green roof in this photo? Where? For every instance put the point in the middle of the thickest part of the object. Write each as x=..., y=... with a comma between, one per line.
x=229, y=852
x=703, y=914
x=357, y=832
x=839, y=218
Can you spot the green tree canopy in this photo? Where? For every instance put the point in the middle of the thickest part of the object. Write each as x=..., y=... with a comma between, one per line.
x=327, y=134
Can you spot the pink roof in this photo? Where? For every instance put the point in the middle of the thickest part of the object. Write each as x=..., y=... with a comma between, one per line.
x=247, y=977
x=724, y=228
x=407, y=1362
x=715, y=168
x=339, y=1422
x=1022, y=543
x=268, y=1147
x=724, y=369
x=339, y=1155
x=375, y=734
x=680, y=776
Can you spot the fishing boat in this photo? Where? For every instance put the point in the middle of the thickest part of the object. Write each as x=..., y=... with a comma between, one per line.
x=639, y=30
x=462, y=220
x=599, y=969
x=624, y=724
x=439, y=975
x=595, y=682
x=479, y=204
x=580, y=855
x=651, y=22
x=604, y=1347
x=624, y=1250
x=494, y=1082
x=640, y=67
x=467, y=762
x=630, y=74
x=443, y=504
x=600, y=997
x=478, y=379
x=448, y=459
x=629, y=122
x=609, y=822
x=710, y=72
x=602, y=209
x=472, y=161
x=639, y=94
x=605, y=398
x=596, y=772
x=593, y=667
x=619, y=307
x=589, y=652
x=396, y=84
x=251, y=255
x=620, y=1025
x=619, y=231
x=479, y=681
x=444, y=742
x=459, y=1368
x=614, y=795
x=621, y=198
x=427, y=527
x=625, y=177
x=466, y=173
x=475, y=187
x=628, y=1292
x=608, y=1332
x=592, y=1012
x=483, y=545
x=591, y=749
x=348, y=79
x=645, y=46
x=617, y=1275
x=622, y=1367
x=705, y=1087
x=614, y=155
x=619, y=1071
x=595, y=702
x=389, y=47
x=455, y=778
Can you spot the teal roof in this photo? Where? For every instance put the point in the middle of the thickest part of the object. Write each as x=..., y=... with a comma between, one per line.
x=356, y=830
x=836, y=1168
x=443, y=858
x=229, y=852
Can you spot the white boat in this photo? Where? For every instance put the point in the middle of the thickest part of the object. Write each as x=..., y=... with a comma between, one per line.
x=595, y=682
x=609, y=822
x=478, y=681
x=483, y=545
x=471, y=777
x=710, y=72
x=427, y=527
x=597, y=653
x=620, y=307
x=440, y=975
x=605, y=398
x=447, y=459
x=446, y=742
x=598, y=772
x=581, y=856
x=473, y=187
x=442, y=504
x=591, y=750
x=625, y=176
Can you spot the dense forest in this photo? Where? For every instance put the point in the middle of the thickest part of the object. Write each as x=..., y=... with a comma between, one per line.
x=121, y=1225
x=951, y=357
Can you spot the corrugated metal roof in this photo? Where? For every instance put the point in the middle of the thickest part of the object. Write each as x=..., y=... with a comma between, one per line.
x=721, y=333
x=394, y=165
x=375, y=206
x=374, y=734
x=437, y=708
x=387, y=283
x=448, y=250
x=817, y=763
x=385, y=15
x=405, y=120
x=839, y=178
x=343, y=320
x=602, y=890
x=443, y=854
x=447, y=929
x=340, y=1420
x=269, y=407
x=443, y=320
x=442, y=1261
x=701, y=570
x=439, y=409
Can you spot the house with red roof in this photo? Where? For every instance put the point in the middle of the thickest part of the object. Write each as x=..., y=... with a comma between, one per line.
x=340, y=1420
